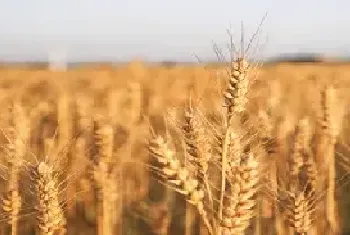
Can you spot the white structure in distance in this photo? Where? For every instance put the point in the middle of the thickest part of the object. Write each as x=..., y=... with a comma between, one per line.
x=57, y=60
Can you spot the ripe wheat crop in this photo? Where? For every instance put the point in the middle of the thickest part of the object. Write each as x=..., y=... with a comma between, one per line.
x=187, y=149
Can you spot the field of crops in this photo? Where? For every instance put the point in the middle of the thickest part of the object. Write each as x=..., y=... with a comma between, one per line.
x=185, y=149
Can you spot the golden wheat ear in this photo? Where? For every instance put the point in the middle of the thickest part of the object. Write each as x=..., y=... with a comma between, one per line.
x=105, y=178
x=235, y=95
x=301, y=211
x=50, y=214
x=240, y=197
x=179, y=176
x=17, y=137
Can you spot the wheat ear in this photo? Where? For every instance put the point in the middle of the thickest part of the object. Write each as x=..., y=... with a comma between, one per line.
x=179, y=176
x=50, y=214
x=105, y=178
x=240, y=199
x=235, y=100
x=301, y=144
x=19, y=135
x=328, y=135
x=235, y=95
x=198, y=148
x=301, y=211
x=301, y=201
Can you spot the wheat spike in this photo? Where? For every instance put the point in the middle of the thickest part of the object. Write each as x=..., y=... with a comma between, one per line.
x=179, y=176
x=301, y=211
x=301, y=144
x=235, y=101
x=235, y=95
x=240, y=200
x=328, y=133
x=197, y=146
x=16, y=150
x=104, y=177
x=50, y=214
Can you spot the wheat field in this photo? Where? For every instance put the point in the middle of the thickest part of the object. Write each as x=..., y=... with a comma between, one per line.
x=185, y=149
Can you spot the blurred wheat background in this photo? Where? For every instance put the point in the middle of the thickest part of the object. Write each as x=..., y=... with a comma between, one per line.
x=143, y=149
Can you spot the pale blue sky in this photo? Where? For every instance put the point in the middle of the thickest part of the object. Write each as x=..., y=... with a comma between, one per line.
x=161, y=29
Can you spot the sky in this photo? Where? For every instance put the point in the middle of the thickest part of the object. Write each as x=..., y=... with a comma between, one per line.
x=154, y=30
